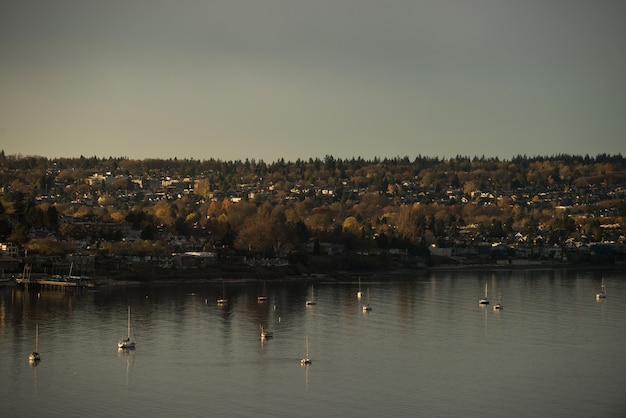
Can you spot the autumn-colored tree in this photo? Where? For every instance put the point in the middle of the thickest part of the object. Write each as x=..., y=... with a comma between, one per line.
x=351, y=226
x=260, y=233
x=48, y=246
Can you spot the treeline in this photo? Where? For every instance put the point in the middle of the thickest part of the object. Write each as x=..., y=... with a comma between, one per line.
x=38, y=173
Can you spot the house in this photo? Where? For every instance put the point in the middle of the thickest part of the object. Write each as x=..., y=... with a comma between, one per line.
x=439, y=251
x=9, y=249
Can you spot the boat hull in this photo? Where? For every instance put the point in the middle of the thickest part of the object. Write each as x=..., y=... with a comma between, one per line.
x=125, y=345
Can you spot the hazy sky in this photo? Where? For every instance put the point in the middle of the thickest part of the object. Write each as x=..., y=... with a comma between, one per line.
x=270, y=79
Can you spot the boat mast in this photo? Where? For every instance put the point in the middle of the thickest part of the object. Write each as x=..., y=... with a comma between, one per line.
x=307, y=346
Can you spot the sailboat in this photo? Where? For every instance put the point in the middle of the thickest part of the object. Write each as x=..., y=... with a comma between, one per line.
x=222, y=299
x=127, y=343
x=485, y=300
x=306, y=359
x=263, y=297
x=602, y=293
x=359, y=293
x=34, y=357
x=311, y=301
x=367, y=307
x=498, y=306
x=265, y=333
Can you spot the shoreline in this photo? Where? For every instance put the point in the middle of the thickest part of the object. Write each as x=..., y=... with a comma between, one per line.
x=186, y=276
x=339, y=275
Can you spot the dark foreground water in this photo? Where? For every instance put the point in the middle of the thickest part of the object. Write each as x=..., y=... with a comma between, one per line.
x=425, y=349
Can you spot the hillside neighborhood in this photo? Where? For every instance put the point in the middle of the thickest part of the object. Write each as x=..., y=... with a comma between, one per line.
x=96, y=217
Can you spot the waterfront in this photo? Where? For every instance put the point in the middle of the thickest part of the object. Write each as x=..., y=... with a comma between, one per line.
x=426, y=349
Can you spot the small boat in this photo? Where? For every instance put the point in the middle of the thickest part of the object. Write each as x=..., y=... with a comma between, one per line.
x=359, y=294
x=602, y=293
x=485, y=300
x=367, y=307
x=306, y=360
x=126, y=343
x=312, y=300
x=222, y=299
x=34, y=357
x=498, y=306
x=263, y=297
x=265, y=333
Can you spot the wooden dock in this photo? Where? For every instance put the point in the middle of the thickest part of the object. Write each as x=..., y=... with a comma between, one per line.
x=55, y=283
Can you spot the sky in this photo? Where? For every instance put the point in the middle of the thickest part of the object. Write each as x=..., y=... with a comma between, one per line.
x=300, y=79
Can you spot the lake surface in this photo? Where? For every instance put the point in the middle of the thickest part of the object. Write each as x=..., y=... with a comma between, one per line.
x=427, y=348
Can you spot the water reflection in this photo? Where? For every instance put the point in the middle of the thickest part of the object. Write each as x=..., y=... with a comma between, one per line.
x=129, y=360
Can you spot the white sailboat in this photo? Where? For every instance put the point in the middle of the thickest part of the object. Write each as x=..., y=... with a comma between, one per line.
x=263, y=296
x=498, y=306
x=306, y=359
x=222, y=299
x=602, y=293
x=485, y=300
x=367, y=307
x=311, y=301
x=127, y=343
x=359, y=294
x=34, y=356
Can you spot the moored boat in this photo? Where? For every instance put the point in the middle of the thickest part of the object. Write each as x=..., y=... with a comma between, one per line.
x=306, y=360
x=498, y=306
x=126, y=343
x=312, y=300
x=602, y=293
x=34, y=356
x=265, y=333
x=484, y=300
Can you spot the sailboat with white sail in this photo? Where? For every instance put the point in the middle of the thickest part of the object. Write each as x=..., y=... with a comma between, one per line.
x=359, y=293
x=126, y=343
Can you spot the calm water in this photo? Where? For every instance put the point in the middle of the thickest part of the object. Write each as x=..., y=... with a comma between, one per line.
x=426, y=349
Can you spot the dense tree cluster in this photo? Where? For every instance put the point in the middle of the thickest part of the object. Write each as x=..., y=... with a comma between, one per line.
x=277, y=208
